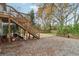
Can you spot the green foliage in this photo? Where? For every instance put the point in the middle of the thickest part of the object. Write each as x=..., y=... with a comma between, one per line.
x=71, y=29
x=75, y=29
x=46, y=28
x=63, y=31
x=32, y=16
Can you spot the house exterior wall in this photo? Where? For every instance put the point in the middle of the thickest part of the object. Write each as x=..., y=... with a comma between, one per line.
x=2, y=7
x=4, y=28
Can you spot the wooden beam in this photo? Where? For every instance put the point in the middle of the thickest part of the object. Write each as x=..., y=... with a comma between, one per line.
x=29, y=36
x=9, y=30
x=25, y=35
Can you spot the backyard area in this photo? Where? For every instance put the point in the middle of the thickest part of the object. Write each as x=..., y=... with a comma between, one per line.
x=48, y=45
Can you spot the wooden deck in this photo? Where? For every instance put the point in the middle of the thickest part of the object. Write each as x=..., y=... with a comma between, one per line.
x=25, y=23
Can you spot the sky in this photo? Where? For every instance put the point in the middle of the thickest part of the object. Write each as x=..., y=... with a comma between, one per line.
x=24, y=7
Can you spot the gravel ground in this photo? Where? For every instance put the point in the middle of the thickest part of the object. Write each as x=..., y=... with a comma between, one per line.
x=49, y=46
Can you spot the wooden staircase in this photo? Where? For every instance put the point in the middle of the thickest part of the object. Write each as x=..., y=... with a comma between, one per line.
x=27, y=28
x=23, y=22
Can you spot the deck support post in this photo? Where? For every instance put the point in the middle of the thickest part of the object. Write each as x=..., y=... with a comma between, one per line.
x=29, y=36
x=33, y=37
x=24, y=35
x=9, y=30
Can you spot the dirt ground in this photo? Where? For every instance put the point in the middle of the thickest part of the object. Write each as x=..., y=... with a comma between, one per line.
x=48, y=45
